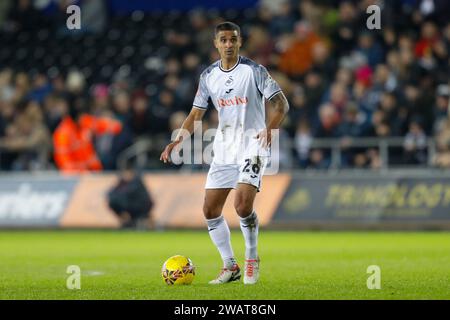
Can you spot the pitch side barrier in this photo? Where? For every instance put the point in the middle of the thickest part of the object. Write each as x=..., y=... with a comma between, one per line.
x=387, y=199
x=391, y=199
x=49, y=200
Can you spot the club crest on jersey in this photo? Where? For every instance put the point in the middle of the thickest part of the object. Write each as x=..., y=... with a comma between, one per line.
x=232, y=102
x=229, y=82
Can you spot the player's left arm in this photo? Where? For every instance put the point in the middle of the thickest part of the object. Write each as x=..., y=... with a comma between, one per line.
x=279, y=106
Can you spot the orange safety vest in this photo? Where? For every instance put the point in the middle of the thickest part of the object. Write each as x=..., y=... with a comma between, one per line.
x=73, y=148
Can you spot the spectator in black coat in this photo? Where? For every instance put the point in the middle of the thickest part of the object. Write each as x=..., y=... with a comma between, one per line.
x=130, y=200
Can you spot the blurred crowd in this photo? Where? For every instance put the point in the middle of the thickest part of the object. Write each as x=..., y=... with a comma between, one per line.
x=341, y=79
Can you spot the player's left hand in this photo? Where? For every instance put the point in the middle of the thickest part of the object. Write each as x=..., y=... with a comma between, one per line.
x=265, y=138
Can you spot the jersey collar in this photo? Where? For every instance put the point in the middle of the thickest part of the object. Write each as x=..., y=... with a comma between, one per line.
x=232, y=68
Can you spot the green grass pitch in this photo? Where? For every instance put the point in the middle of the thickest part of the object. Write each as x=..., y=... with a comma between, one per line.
x=294, y=265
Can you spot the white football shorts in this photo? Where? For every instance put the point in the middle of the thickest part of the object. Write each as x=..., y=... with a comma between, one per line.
x=224, y=176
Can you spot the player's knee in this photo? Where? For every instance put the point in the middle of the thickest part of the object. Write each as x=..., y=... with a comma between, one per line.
x=211, y=212
x=243, y=208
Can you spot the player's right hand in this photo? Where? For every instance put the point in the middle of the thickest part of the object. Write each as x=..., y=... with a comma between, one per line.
x=165, y=155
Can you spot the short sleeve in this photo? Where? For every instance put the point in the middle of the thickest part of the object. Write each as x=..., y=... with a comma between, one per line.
x=202, y=95
x=266, y=84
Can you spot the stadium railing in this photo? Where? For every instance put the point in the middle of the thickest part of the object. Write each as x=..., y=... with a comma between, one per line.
x=141, y=150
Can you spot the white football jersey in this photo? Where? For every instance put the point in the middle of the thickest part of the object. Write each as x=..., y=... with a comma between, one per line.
x=238, y=95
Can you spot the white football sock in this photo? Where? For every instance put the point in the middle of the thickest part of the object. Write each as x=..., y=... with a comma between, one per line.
x=220, y=236
x=250, y=227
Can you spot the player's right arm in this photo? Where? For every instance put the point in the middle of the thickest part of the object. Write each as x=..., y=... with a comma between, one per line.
x=196, y=114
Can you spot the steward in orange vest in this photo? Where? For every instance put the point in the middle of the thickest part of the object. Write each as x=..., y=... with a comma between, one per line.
x=72, y=142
